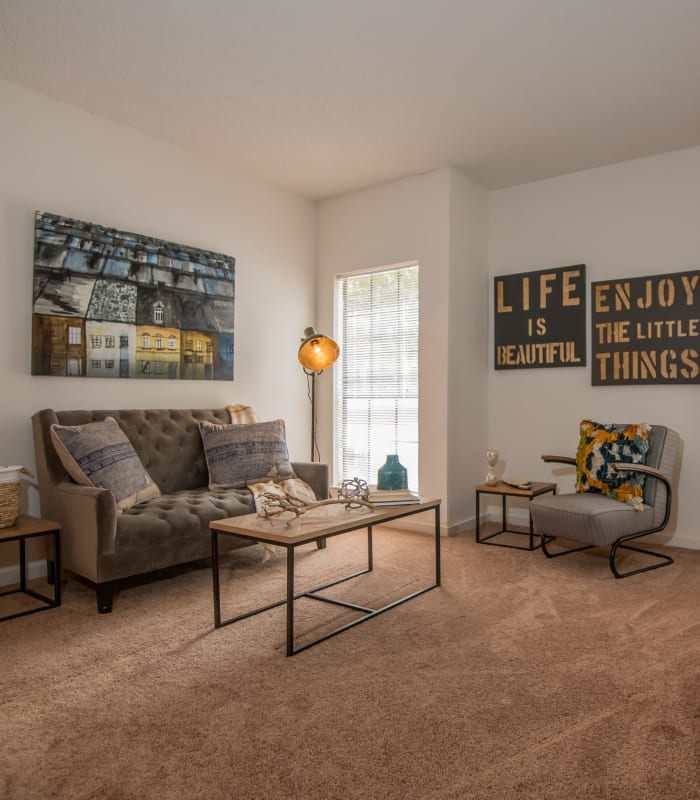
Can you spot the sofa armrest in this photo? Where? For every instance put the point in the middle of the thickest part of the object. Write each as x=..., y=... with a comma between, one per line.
x=88, y=517
x=316, y=475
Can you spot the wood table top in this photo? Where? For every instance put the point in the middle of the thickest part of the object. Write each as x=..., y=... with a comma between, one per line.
x=27, y=526
x=316, y=523
x=505, y=488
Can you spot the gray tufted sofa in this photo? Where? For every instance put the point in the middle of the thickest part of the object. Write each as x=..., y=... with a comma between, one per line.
x=105, y=546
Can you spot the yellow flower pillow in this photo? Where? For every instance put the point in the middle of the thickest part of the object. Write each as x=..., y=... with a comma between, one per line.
x=599, y=446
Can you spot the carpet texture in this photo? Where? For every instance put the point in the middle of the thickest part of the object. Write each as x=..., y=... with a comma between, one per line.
x=520, y=677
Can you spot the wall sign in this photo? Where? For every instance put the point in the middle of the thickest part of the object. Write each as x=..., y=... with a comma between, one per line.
x=540, y=318
x=114, y=304
x=646, y=330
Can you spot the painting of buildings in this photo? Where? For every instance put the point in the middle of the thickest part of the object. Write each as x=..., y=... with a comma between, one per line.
x=113, y=304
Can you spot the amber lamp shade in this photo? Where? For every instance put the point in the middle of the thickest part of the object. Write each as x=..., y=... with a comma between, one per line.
x=316, y=351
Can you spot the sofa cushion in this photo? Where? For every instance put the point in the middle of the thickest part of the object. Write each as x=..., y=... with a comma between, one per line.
x=239, y=454
x=100, y=454
x=174, y=518
x=603, y=444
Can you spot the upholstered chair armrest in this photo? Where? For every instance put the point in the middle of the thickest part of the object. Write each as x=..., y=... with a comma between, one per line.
x=315, y=474
x=88, y=516
x=625, y=466
x=652, y=472
x=560, y=459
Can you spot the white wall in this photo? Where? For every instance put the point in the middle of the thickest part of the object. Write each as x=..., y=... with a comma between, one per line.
x=631, y=219
x=56, y=158
x=410, y=220
x=468, y=316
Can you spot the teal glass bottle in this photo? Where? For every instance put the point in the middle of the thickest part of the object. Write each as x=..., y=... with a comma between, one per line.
x=392, y=475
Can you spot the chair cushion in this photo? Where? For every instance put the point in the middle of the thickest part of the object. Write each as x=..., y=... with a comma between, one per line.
x=239, y=454
x=602, y=444
x=590, y=517
x=100, y=454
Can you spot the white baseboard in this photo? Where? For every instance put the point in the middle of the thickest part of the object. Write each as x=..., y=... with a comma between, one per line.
x=10, y=575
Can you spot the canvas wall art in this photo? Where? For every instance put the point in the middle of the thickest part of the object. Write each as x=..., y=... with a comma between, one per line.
x=114, y=304
x=646, y=330
x=540, y=318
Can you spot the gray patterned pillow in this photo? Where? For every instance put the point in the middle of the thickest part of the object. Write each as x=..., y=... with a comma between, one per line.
x=237, y=454
x=99, y=454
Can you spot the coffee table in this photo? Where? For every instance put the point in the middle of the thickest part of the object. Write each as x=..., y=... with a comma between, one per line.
x=320, y=523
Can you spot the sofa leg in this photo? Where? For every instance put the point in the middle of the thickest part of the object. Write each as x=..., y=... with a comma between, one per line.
x=321, y=543
x=105, y=596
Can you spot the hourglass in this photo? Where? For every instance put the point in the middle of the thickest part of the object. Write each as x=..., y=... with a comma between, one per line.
x=492, y=458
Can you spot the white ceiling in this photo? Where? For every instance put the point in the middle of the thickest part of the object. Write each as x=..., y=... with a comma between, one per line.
x=326, y=96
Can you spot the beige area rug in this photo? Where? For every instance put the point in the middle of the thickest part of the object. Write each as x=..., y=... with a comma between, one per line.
x=520, y=677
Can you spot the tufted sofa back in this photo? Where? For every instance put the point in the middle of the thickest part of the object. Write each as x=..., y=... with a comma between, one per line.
x=167, y=442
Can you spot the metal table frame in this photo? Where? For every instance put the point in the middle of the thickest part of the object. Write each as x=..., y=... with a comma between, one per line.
x=291, y=595
x=31, y=528
x=505, y=491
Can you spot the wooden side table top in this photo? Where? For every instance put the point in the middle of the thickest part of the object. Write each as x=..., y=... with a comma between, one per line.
x=501, y=488
x=28, y=526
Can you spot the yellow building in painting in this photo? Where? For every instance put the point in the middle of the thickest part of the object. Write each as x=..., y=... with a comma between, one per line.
x=157, y=352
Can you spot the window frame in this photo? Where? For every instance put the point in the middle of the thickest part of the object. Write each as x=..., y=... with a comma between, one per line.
x=375, y=458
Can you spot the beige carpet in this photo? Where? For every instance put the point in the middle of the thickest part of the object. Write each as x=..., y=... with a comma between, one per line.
x=520, y=677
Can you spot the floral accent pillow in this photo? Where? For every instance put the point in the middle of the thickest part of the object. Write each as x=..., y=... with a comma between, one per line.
x=295, y=488
x=602, y=444
x=292, y=487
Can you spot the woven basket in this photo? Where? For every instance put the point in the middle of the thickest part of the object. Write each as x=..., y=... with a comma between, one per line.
x=10, y=494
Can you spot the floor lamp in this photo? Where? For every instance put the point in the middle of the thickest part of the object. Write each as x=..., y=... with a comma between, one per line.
x=316, y=353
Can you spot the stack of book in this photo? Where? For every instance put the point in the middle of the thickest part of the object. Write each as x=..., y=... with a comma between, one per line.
x=392, y=497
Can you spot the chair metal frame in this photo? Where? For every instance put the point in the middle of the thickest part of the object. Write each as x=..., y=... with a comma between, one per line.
x=662, y=559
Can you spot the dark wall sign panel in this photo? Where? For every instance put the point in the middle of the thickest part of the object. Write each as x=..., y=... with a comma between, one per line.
x=540, y=318
x=646, y=330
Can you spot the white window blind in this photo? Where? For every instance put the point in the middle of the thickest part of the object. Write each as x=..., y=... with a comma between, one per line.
x=377, y=373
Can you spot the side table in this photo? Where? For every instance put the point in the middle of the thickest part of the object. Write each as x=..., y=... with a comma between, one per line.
x=505, y=491
x=29, y=528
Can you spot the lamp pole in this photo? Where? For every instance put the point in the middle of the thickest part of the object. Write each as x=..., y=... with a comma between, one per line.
x=316, y=353
x=313, y=416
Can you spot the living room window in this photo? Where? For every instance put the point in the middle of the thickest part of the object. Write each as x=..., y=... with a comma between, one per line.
x=376, y=376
